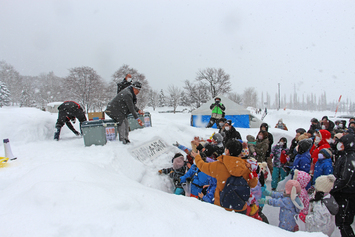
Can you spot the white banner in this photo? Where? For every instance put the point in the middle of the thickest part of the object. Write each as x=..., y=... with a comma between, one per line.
x=151, y=149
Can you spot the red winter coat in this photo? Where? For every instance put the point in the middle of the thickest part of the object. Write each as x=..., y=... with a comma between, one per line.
x=325, y=135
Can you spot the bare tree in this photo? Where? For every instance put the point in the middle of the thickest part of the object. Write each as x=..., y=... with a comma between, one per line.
x=84, y=85
x=235, y=97
x=174, y=96
x=143, y=96
x=217, y=80
x=153, y=98
x=198, y=93
x=250, y=97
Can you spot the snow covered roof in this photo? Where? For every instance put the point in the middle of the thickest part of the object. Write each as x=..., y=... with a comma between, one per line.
x=52, y=104
x=232, y=108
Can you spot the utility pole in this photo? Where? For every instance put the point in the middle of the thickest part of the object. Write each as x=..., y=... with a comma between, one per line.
x=279, y=96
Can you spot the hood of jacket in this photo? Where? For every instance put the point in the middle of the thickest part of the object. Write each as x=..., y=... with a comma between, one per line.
x=325, y=137
x=349, y=142
x=233, y=164
x=302, y=177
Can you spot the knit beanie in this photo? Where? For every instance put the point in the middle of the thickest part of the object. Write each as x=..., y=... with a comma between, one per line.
x=326, y=153
x=178, y=162
x=304, y=145
x=209, y=149
x=324, y=183
x=217, y=137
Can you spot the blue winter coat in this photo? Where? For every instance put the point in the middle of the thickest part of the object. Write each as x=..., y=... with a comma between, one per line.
x=209, y=197
x=322, y=167
x=302, y=162
x=199, y=179
x=287, y=210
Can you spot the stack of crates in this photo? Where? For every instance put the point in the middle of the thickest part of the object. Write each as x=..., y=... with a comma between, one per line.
x=98, y=132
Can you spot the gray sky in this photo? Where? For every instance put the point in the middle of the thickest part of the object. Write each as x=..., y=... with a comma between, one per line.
x=259, y=43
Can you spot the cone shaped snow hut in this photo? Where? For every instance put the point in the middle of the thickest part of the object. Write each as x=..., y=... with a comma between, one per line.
x=240, y=117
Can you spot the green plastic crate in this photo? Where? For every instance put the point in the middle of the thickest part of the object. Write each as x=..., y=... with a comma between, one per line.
x=98, y=132
x=146, y=119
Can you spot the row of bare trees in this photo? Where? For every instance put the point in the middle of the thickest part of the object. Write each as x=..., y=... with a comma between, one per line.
x=82, y=85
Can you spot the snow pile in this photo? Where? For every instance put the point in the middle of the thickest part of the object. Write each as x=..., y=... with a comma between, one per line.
x=66, y=189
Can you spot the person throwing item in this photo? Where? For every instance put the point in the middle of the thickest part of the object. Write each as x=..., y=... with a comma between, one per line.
x=69, y=111
x=121, y=106
x=217, y=112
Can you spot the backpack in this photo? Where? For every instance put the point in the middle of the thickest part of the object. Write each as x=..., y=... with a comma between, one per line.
x=235, y=193
x=331, y=204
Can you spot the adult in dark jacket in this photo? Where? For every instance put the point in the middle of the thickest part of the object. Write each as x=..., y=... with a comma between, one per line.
x=230, y=132
x=121, y=106
x=315, y=125
x=327, y=124
x=69, y=111
x=292, y=153
x=217, y=112
x=344, y=185
x=126, y=82
x=270, y=137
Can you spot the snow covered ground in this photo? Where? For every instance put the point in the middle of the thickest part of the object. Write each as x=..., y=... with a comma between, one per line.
x=66, y=189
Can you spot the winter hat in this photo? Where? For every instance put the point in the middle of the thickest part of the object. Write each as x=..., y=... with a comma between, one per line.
x=326, y=153
x=292, y=184
x=137, y=85
x=175, y=156
x=218, y=137
x=300, y=130
x=229, y=122
x=324, y=183
x=178, y=162
x=304, y=145
x=325, y=117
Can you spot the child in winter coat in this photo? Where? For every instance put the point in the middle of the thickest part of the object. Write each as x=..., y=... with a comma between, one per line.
x=303, y=178
x=289, y=203
x=323, y=207
x=303, y=158
x=279, y=154
x=197, y=179
x=324, y=164
x=179, y=169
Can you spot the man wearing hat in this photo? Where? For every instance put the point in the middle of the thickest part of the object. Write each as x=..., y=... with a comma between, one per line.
x=126, y=82
x=121, y=106
x=217, y=112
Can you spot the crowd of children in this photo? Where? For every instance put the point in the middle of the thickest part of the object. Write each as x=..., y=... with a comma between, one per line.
x=313, y=180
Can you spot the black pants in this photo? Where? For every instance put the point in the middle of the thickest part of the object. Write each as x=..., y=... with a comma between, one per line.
x=345, y=216
x=212, y=122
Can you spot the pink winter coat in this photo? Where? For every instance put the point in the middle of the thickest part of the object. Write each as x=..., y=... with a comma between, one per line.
x=303, y=178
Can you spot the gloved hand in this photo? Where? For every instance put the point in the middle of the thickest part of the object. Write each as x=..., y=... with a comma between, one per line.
x=77, y=133
x=263, y=201
x=283, y=152
x=188, y=180
x=271, y=155
x=140, y=122
x=160, y=171
x=302, y=217
x=176, y=144
x=266, y=192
